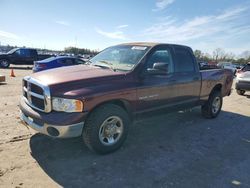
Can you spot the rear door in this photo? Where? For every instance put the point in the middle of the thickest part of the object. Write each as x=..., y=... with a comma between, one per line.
x=187, y=75
x=33, y=55
x=28, y=56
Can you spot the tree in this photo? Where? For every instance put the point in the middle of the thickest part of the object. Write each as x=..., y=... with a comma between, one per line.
x=218, y=54
x=198, y=54
x=229, y=56
x=76, y=51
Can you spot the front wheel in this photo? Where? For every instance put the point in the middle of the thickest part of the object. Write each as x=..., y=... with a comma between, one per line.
x=4, y=63
x=212, y=107
x=240, y=92
x=106, y=128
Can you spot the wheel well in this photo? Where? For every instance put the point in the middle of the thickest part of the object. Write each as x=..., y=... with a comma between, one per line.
x=119, y=102
x=216, y=88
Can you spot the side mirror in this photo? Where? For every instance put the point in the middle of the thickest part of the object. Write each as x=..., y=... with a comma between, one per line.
x=159, y=68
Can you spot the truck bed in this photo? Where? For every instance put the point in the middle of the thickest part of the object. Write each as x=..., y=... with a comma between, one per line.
x=213, y=77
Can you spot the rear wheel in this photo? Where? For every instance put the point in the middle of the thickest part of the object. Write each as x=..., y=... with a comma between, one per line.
x=212, y=107
x=240, y=92
x=106, y=128
x=4, y=63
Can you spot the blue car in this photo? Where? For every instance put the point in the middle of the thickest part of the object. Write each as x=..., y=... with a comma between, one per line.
x=55, y=62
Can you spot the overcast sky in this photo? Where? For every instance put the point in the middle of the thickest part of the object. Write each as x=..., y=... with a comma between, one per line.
x=97, y=24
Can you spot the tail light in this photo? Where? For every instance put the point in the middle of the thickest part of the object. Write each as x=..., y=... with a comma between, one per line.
x=239, y=71
x=40, y=65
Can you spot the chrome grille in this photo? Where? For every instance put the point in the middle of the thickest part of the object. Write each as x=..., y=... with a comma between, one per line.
x=36, y=94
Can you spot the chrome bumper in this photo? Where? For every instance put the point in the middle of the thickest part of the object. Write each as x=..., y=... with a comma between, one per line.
x=65, y=131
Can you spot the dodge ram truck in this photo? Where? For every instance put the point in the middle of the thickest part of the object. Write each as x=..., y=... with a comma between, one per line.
x=100, y=99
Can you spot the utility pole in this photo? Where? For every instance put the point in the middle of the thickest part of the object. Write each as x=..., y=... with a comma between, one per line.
x=75, y=41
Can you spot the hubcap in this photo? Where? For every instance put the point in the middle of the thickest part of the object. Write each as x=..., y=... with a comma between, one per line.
x=216, y=105
x=4, y=63
x=111, y=130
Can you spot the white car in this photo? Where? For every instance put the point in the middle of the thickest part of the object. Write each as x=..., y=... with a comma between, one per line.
x=243, y=80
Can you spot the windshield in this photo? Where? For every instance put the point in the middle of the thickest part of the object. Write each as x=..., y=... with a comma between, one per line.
x=246, y=68
x=12, y=51
x=122, y=58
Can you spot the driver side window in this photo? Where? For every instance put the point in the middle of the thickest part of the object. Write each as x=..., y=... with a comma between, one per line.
x=161, y=56
x=17, y=52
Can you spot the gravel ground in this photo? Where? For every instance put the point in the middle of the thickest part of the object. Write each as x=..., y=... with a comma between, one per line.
x=166, y=150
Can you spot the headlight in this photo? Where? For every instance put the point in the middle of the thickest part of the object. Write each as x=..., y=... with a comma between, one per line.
x=67, y=105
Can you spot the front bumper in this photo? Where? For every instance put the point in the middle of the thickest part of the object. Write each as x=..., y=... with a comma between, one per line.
x=67, y=131
x=54, y=124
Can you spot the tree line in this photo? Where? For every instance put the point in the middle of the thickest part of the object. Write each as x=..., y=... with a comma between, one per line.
x=76, y=51
x=219, y=55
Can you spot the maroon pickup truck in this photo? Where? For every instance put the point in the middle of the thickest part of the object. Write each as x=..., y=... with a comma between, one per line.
x=99, y=100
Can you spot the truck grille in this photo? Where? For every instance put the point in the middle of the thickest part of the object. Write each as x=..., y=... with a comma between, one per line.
x=36, y=94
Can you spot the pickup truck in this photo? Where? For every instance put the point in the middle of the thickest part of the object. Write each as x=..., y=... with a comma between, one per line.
x=100, y=99
x=20, y=56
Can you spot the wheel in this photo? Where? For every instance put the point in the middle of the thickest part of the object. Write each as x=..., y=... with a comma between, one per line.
x=106, y=128
x=240, y=92
x=4, y=63
x=212, y=107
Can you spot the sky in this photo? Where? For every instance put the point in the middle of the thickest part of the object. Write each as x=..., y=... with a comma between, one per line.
x=97, y=24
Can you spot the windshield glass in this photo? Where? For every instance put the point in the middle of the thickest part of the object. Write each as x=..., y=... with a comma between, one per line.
x=246, y=68
x=12, y=51
x=122, y=58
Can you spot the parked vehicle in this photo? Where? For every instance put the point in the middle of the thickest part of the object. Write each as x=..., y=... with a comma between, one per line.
x=228, y=65
x=20, y=56
x=204, y=65
x=99, y=100
x=243, y=80
x=55, y=62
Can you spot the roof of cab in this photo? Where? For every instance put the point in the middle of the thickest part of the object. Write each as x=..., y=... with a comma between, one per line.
x=152, y=44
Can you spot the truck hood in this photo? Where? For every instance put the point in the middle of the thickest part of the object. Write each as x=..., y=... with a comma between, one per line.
x=73, y=74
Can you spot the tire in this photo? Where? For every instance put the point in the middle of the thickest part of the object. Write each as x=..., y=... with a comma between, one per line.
x=212, y=107
x=4, y=63
x=240, y=92
x=98, y=129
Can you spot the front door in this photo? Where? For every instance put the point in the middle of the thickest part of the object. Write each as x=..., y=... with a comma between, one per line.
x=155, y=91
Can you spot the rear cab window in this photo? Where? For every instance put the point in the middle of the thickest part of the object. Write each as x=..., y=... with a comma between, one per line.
x=184, y=60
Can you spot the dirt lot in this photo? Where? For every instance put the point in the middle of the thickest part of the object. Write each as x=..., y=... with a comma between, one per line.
x=167, y=150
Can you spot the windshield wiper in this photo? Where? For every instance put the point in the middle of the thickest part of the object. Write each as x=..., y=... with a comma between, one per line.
x=88, y=62
x=110, y=65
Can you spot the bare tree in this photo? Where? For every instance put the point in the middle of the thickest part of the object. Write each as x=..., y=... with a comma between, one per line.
x=218, y=54
x=229, y=56
x=198, y=54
